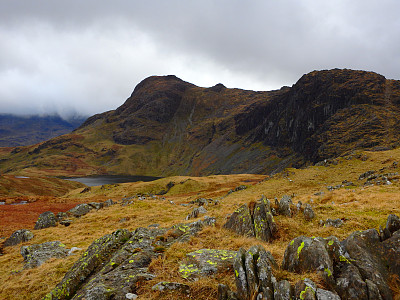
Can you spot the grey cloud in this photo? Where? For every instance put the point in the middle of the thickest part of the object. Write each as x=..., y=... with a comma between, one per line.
x=87, y=56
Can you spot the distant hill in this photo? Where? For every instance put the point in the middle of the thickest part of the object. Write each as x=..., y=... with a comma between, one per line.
x=172, y=127
x=22, y=131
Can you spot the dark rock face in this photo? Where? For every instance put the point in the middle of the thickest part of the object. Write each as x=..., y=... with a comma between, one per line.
x=311, y=115
x=17, y=237
x=35, y=255
x=254, y=220
x=46, y=220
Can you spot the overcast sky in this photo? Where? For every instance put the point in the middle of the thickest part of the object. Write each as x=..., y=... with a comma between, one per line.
x=86, y=56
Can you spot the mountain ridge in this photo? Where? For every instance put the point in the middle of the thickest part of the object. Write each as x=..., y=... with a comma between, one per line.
x=171, y=127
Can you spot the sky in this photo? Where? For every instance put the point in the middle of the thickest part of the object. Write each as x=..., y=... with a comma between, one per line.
x=86, y=57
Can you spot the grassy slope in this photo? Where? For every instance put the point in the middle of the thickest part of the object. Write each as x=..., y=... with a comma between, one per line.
x=363, y=207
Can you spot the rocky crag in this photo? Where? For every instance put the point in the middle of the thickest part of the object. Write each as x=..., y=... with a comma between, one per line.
x=169, y=126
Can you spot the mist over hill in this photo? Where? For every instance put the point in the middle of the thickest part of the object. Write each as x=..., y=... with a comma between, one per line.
x=28, y=130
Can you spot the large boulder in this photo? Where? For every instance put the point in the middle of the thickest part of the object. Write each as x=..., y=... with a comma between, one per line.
x=305, y=254
x=253, y=273
x=241, y=222
x=46, y=220
x=36, y=255
x=365, y=248
x=254, y=220
x=205, y=262
x=17, y=237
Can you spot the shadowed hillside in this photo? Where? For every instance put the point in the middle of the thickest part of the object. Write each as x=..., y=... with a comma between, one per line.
x=171, y=127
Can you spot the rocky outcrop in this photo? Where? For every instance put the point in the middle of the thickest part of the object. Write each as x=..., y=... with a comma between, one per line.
x=357, y=268
x=46, y=220
x=17, y=237
x=254, y=220
x=113, y=265
x=36, y=255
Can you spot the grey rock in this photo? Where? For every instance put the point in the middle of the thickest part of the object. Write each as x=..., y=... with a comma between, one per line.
x=390, y=251
x=373, y=291
x=283, y=290
x=265, y=227
x=241, y=222
x=312, y=254
x=254, y=220
x=79, y=210
x=332, y=222
x=96, y=205
x=284, y=207
x=308, y=212
x=165, y=286
x=205, y=262
x=97, y=254
x=46, y=220
x=108, y=203
x=363, y=247
x=253, y=273
x=326, y=295
x=66, y=222
x=393, y=223
x=17, y=237
x=196, y=212
x=305, y=289
x=349, y=283
x=204, y=202
x=36, y=255
x=61, y=216
x=131, y=296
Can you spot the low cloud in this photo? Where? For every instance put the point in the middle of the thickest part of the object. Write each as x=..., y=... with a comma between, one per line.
x=86, y=57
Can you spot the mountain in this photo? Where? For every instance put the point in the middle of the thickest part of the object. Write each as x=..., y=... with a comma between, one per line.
x=29, y=130
x=169, y=127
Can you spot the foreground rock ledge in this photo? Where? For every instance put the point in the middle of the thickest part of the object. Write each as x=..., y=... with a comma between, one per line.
x=113, y=264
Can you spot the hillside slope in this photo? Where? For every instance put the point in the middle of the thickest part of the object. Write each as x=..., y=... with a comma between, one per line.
x=171, y=127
